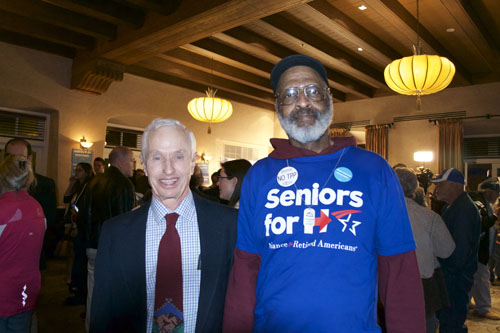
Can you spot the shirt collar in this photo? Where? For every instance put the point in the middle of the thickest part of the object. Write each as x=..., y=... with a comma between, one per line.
x=159, y=210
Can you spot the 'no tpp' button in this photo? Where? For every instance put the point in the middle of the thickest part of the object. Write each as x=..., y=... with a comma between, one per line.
x=287, y=176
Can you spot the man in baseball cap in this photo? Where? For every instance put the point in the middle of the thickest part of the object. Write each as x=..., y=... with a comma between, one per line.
x=451, y=174
x=307, y=265
x=464, y=223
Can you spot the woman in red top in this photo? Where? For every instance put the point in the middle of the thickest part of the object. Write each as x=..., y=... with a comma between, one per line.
x=22, y=227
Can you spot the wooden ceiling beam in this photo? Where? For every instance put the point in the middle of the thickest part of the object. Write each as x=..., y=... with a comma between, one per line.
x=172, y=68
x=37, y=44
x=235, y=54
x=250, y=37
x=473, y=28
x=203, y=63
x=191, y=85
x=405, y=22
x=15, y=23
x=108, y=11
x=163, y=7
x=340, y=83
x=346, y=27
x=311, y=43
x=255, y=50
x=60, y=17
x=485, y=14
x=192, y=21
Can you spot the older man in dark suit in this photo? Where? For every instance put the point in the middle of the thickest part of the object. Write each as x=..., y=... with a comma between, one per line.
x=164, y=266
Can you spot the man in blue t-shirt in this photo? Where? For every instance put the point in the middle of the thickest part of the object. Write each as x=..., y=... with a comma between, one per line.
x=323, y=229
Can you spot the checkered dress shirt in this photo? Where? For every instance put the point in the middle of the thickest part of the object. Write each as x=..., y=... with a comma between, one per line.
x=187, y=227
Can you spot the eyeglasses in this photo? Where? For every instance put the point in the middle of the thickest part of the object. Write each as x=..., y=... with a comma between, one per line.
x=313, y=92
x=220, y=177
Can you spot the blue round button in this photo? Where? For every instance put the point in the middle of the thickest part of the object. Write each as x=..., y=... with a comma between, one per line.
x=343, y=174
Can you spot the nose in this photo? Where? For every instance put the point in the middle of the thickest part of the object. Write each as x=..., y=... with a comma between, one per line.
x=302, y=100
x=168, y=166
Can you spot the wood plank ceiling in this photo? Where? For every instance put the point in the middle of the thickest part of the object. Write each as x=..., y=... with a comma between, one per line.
x=232, y=45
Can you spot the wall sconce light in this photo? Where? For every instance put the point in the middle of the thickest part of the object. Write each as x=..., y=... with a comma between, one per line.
x=423, y=156
x=85, y=144
x=205, y=158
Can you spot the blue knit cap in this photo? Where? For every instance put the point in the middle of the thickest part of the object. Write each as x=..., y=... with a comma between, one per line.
x=296, y=60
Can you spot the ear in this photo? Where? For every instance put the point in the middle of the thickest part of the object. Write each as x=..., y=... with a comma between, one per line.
x=145, y=167
x=234, y=180
x=193, y=162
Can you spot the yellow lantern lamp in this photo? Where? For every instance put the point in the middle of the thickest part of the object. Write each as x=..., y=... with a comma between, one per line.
x=419, y=74
x=210, y=109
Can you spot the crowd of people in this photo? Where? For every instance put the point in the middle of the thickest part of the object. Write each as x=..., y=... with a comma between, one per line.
x=320, y=236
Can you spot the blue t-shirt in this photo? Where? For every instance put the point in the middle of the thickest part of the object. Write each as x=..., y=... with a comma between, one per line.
x=318, y=223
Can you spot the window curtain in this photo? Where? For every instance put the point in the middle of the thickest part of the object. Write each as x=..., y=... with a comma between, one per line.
x=338, y=131
x=451, y=137
x=376, y=139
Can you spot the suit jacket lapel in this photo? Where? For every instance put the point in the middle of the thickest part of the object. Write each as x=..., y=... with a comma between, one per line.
x=133, y=264
x=206, y=239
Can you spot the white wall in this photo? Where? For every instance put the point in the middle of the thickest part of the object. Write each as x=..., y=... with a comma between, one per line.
x=37, y=81
x=33, y=80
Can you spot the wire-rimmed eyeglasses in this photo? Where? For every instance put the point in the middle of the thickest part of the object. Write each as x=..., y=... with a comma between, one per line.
x=313, y=92
x=221, y=177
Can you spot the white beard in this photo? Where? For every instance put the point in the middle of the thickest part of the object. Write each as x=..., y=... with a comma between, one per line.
x=307, y=133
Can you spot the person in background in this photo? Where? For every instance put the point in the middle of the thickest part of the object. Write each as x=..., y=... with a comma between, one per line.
x=464, y=224
x=73, y=197
x=230, y=180
x=433, y=240
x=99, y=166
x=43, y=190
x=164, y=266
x=196, y=180
x=108, y=195
x=22, y=228
x=486, y=195
x=212, y=192
x=495, y=257
x=318, y=220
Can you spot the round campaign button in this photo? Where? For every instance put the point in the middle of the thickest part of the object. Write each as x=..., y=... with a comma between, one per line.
x=343, y=174
x=287, y=176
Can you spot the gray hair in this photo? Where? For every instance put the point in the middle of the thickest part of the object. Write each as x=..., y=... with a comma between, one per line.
x=15, y=173
x=118, y=153
x=163, y=122
x=408, y=181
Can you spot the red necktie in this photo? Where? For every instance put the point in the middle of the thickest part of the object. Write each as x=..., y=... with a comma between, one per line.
x=168, y=311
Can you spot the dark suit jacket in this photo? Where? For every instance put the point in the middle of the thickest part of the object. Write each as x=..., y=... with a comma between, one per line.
x=108, y=195
x=119, y=297
x=44, y=192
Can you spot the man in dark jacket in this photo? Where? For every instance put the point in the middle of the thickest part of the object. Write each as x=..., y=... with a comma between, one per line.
x=109, y=195
x=164, y=266
x=462, y=219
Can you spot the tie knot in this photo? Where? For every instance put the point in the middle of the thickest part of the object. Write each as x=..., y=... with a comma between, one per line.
x=171, y=219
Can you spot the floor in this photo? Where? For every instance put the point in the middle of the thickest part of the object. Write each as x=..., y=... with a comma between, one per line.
x=54, y=316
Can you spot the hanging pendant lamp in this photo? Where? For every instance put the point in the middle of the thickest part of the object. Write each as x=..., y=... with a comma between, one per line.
x=210, y=109
x=419, y=74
